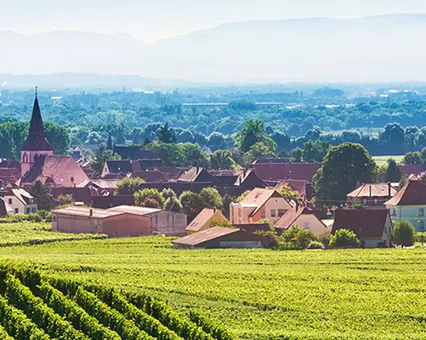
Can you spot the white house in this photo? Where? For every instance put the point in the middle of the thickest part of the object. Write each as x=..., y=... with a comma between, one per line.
x=259, y=204
x=20, y=201
x=303, y=218
x=409, y=204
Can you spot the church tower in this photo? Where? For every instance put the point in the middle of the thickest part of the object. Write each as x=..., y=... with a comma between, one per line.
x=36, y=143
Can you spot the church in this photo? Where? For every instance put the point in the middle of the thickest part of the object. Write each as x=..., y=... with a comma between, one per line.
x=38, y=161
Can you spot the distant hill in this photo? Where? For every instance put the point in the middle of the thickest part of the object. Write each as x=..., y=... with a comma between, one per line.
x=379, y=48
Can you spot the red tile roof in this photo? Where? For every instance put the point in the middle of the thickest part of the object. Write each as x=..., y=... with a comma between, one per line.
x=413, y=193
x=281, y=171
x=205, y=235
x=364, y=223
x=259, y=196
x=55, y=169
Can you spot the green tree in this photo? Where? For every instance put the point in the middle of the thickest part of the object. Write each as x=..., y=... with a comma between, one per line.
x=256, y=151
x=412, y=158
x=344, y=238
x=66, y=199
x=252, y=132
x=222, y=160
x=153, y=194
x=41, y=195
x=297, y=238
x=101, y=156
x=173, y=204
x=211, y=198
x=128, y=186
x=165, y=134
x=403, y=233
x=192, y=204
x=296, y=154
x=343, y=168
x=171, y=154
x=393, y=171
x=315, y=151
x=288, y=193
x=168, y=193
x=194, y=156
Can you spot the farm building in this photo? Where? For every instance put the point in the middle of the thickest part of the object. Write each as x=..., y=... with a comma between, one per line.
x=372, y=195
x=221, y=237
x=373, y=227
x=204, y=220
x=118, y=221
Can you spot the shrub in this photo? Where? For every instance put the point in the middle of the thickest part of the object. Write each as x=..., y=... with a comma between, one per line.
x=325, y=239
x=173, y=204
x=150, y=203
x=128, y=186
x=297, y=238
x=344, y=238
x=141, y=195
x=315, y=245
x=403, y=234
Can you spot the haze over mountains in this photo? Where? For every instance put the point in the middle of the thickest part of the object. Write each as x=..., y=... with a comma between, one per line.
x=380, y=48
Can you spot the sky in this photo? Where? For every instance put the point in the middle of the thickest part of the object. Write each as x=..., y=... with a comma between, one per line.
x=150, y=20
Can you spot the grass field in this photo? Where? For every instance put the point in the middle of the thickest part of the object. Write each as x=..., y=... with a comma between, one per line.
x=258, y=294
x=382, y=160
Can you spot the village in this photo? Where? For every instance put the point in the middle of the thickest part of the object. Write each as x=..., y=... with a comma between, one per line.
x=250, y=208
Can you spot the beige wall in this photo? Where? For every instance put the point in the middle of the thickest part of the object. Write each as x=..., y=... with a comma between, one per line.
x=169, y=223
x=271, y=208
x=240, y=214
x=17, y=206
x=310, y=222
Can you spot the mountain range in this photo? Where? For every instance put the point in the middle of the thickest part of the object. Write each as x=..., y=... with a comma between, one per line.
x=378, y=48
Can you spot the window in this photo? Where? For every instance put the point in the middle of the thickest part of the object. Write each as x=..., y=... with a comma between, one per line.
x=100, y=223
x=421, y=211
x=375, y=201
x=273, y=213
x=360, y=230
x=364, y=201
x=54, y=218
x=262, y=213
x=422, y=226
x=34, y=210
x=394, y=212
x=28, y=210
x=10, y=201
x=16, y=211
x=281, y=212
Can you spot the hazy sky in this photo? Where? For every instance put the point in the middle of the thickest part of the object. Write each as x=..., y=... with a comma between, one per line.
x=150, y=20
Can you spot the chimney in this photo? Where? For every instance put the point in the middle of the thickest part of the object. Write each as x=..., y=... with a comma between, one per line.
x=369, y=190
x=389, y=189
x=198, y=169
x=91, y=212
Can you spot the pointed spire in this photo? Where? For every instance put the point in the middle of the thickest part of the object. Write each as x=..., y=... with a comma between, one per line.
x=36, y=139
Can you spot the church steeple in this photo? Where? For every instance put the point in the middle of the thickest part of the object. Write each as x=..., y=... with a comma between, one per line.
x=36, y=139
x=36, y=144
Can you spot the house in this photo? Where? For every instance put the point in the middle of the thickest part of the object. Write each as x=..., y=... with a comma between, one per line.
x=221, y=237
x=259, y=204
x=83, y=195
x=20, y=201
x=54, y=170
x=372, y=227
x=409, y=204
x=372, y=195
x=110, y=200
x=282, y=169
x=123, y=167
x=9, y=176
x=204, y=220
x=304, y=188
x=4, y=208
x=118, y=221
x=249, y=180
x=302, y=217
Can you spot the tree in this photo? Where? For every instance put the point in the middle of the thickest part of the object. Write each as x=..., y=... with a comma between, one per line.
x=211, y=198
x=393, y=138
x=256, y=151
x=109, y=143
x=226, y=201
x=40, y=193
x=297, y=238
x=101, y=156
x=412, y=158
x=194, y=156
x=173, y=204
x=343, y=168
x=66, y=199
x=192, y=204
x=288, y=193
x=344, y=238
x=168, y=193
x=403, y=233
x=315, y=151
x=154, y=194
x=128, y=186
x=423, y=156
x=171, y=154
x=222, y=160
x=393, y=171
x=296, y=154
x=165, y=134
x=242, y=196
x=252, y=132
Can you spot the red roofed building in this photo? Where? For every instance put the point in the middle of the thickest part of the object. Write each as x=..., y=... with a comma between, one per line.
x=373, y=227
x=409, y=204
x=268, y=170
x=204, y=220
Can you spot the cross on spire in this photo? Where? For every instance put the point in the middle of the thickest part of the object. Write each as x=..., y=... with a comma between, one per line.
x=36, y=92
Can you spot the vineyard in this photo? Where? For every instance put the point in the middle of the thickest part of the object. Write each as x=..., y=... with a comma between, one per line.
x=32, y=307
x=255, y=294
